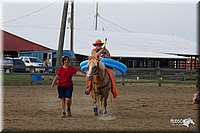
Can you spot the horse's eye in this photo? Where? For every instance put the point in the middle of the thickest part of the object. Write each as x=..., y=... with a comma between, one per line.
x=95, y=67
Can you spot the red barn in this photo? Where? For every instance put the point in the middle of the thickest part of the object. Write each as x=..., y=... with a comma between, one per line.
x=13, y=44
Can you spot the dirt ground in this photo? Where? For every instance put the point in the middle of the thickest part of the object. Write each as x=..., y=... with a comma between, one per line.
x=137, y=108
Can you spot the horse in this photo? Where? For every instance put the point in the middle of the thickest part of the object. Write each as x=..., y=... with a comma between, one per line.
x=101, y=84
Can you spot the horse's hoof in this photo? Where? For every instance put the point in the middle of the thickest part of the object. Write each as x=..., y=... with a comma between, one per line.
x=95, y=110
x=105, y=113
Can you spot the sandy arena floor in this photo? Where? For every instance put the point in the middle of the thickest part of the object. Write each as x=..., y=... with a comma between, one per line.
x=137, y=108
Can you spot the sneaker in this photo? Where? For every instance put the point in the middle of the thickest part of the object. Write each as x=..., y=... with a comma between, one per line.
x=64, y=115
x=69, y=113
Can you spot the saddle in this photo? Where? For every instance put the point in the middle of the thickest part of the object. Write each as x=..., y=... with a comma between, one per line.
x=113, y=89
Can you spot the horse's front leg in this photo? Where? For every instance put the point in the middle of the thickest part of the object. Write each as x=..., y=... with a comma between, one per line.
x=95, y=109
x=105, y=112
x=101, y=103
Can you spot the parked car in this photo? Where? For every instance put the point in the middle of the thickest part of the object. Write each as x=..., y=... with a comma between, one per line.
x=33, y=63
x=19, y=66
x=7, y=64
x=14, y=65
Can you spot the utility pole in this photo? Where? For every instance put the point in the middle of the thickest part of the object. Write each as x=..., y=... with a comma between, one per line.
x=72, y=27
x=62, y=34
x=96, y=16
x=198, y=48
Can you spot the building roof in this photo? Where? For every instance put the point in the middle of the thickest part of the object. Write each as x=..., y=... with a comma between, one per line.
x=13, y=42
x=128, y=44
x=121, y=44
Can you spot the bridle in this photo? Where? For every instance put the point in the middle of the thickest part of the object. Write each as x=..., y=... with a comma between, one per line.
x=96, y=72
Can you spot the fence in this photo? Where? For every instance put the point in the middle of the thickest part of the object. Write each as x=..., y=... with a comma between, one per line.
x=134, y=75
x=159, y=75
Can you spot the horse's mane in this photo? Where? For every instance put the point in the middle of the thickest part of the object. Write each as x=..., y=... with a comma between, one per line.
x=99, y=60
x=92, y=57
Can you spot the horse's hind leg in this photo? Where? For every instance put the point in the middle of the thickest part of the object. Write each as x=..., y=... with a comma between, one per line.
x=105, y=112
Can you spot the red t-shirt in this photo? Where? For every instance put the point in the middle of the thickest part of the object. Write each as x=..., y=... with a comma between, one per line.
x=65, y=75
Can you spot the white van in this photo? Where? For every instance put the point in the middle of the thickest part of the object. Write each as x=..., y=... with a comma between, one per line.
x=33, y=61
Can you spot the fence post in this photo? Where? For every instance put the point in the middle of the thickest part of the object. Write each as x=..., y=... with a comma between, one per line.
x=31, y=77
x=198, y=74
x=123, y=83
x=158, y=74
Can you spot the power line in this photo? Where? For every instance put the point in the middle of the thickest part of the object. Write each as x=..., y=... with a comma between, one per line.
x=110, y=26
x=29, y=14
x=84, y=21
x=103, y=25
x=114, y=24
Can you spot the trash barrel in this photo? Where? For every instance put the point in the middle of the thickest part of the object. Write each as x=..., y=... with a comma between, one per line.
x=36, y=77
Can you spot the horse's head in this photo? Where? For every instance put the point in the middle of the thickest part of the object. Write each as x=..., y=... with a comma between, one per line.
x=94, y=65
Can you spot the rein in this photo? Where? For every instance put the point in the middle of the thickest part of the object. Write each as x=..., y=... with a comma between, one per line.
x=104, y=77
x=105, y=85
x=96, y=72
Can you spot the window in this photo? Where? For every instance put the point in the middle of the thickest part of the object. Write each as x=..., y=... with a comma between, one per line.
x=35, y=60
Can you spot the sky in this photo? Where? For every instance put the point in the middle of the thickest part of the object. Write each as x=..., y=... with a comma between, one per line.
x=155, y=17
x=40, y=21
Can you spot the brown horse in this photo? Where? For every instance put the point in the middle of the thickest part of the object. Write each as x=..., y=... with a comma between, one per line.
x=101, y=84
